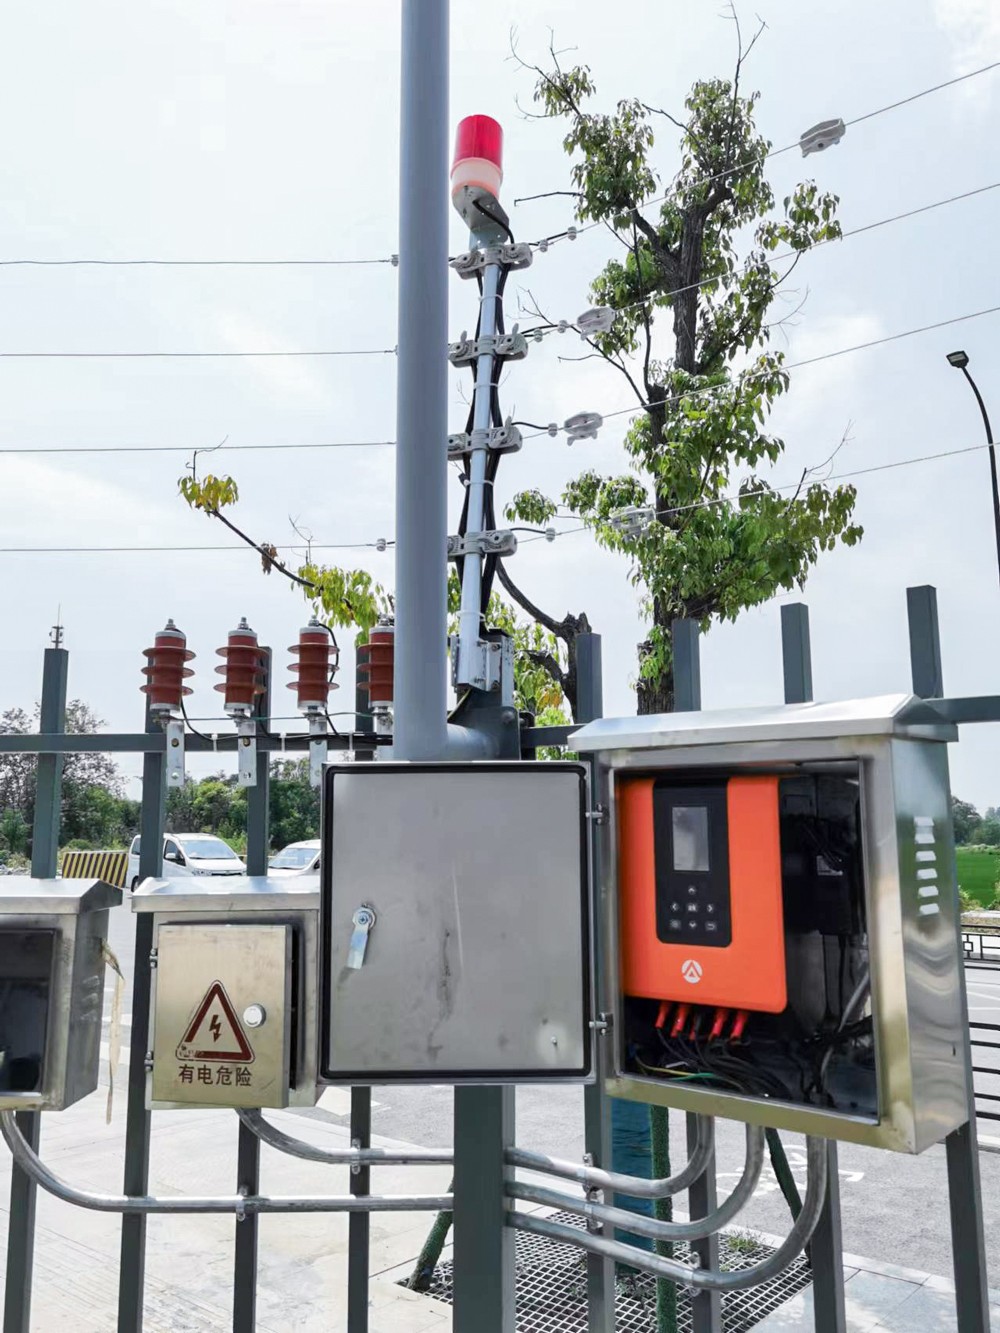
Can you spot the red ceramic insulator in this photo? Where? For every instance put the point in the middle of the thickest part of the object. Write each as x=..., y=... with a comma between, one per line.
x=317, y=653
x=165, y=673
x=242, y=669
x=377, y=667
x=361, y=674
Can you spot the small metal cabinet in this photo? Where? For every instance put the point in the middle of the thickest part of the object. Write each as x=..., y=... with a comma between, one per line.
x=233, y=1006
x=882, y=961
x=52, y=933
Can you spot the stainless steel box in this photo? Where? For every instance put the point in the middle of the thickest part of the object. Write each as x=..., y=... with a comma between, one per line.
x=52, y=936
x=921, y=1043
x=477, y=965
x=234, y=1002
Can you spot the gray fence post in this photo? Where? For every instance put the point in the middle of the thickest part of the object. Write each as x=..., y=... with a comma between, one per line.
x=596, y=1107
x=44, y=857
x=248, y=1144
x=826, y=1250
x=483, y=1267
x=132, y=1269
x=965, y=1195
x=359, y=1224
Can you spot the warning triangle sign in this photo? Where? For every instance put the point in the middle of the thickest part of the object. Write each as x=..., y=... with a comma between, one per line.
x=214, y=1032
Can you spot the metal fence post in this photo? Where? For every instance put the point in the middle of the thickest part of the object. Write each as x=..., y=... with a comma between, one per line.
x=484, y=1244
x=248, y=1144
x=596, y=1106
x=132, y=1270
x=44, y=857
x=826, y=1250
x=359, y=1224
x=706, y=1306
x=965, y=1196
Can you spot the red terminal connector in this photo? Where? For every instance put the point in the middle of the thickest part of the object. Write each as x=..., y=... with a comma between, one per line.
x=375, y=666
x=680, y=1019
x=739, y=1023
x=242, y=669
x=719, y=1023
x=661, y=1017
x=696, y=1021
x=318, y=656
x=165, y=673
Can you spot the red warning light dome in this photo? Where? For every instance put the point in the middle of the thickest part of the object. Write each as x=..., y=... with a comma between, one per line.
x=478, y=163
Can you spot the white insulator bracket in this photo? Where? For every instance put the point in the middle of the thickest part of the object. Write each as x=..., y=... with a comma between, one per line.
x=501, y=542
x=582, y=426
x=632, y=521
x=505, y=439
x=509, y=256
x=466, y=351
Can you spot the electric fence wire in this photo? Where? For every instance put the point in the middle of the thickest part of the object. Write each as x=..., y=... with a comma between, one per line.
x=393, y=260
x=729, y=498
x=572, y=231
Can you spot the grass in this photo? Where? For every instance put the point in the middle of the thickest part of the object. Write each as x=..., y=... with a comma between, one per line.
x=978, y=873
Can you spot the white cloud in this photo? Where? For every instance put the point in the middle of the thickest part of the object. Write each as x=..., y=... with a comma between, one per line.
x=973, y=27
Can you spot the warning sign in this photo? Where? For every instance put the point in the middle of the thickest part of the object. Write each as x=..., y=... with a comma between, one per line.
x=215, y=1033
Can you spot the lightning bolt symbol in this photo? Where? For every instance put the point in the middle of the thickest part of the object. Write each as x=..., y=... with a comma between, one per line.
x=215, y=1027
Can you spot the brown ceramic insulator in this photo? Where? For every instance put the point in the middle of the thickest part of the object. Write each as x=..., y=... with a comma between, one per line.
x=379, y=665
x=313, y=683
x=165, y=671
x=242, y=670
x=361, y=675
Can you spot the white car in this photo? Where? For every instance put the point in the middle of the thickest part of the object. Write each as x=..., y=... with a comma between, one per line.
x=298, y=858
x=189, y=854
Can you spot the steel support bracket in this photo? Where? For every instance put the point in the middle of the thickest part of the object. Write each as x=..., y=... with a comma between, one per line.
x=317, y=748
x=471, y=262
x=498, y=542
x=506, y=439
x=246, y=748
x=175, y=752
x=488, y=666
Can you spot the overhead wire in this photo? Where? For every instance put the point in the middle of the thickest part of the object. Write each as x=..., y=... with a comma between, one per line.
x=574, y=231
x=84, y=356
x=186, y=448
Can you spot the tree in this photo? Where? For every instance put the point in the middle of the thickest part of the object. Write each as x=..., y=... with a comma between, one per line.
x=705, y=389
x=988, y=832
x=966, y=820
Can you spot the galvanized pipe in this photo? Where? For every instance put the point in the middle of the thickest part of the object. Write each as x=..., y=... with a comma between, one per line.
x=690, y=1275
x=639, y=1187
x=238, y=1204
x=641, y=1225
x=276, y=1138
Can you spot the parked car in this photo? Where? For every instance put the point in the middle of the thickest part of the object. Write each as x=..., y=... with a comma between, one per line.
x=298, y=858
x=189, y=854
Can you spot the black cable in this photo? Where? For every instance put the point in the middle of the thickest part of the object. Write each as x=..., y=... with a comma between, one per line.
x=480, y=207
x=193, y=730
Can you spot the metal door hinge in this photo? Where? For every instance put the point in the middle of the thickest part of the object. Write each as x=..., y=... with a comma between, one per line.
x=599, y=814
x=154, y=958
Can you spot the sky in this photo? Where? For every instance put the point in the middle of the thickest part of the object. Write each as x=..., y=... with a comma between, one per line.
x=269, y=129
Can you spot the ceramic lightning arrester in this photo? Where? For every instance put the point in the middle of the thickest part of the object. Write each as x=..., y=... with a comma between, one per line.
x=166, y=670
x=242, y=670
x=318, y=658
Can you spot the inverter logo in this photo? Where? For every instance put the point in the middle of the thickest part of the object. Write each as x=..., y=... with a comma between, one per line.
x=691, y=971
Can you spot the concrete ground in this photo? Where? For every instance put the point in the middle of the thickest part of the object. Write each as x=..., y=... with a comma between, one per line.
x=894, y=1208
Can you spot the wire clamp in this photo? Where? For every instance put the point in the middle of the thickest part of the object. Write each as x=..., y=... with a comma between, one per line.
x=466, y=351
x=505, y=439
x=509, y=256
x=497, y=542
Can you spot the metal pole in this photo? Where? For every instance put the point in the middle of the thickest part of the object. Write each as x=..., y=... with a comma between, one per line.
x=44, y=857
x=132, y=1271
x=596, y=1105
x=826, y=1250
x=359, y=1225
x=965, y=1195
x=686, y=640
x=993, y=458
x=248, y=1144
x=422, y=386
x=484, y=1245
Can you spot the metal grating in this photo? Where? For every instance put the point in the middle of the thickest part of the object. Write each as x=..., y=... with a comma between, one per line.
x=552, y=1286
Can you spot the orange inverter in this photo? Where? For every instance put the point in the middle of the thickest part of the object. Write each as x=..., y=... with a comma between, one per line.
x=700, y=898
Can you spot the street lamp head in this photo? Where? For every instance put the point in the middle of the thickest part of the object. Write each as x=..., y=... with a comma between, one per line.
x=958, y=359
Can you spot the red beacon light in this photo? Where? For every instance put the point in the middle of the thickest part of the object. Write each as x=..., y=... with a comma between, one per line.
x=477, y=169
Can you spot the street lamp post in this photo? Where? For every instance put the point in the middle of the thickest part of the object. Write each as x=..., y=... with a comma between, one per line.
x=960, y=360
